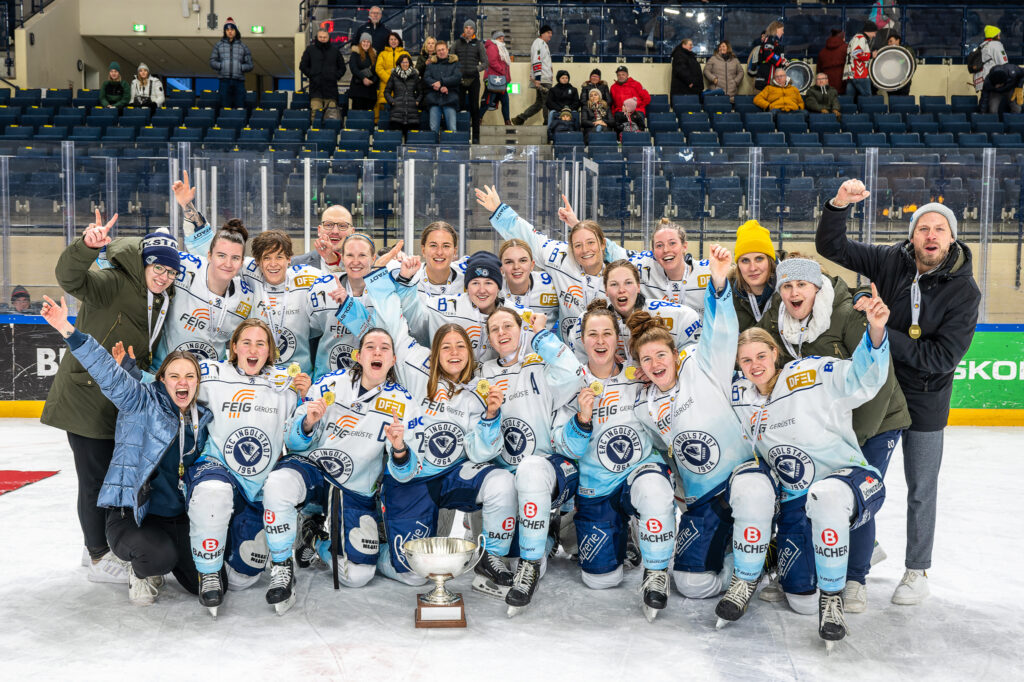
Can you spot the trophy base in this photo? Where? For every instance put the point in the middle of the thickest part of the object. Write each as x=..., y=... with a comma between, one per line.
x=436, y=616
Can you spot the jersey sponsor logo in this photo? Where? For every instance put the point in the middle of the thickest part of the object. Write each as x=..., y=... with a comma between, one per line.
x=201, y=349
x=196, y=319
x=269, y=517
x=607, y=406
x=574, y=294
x=654, y=525
x=334, y=463
x=591, y=544
x=793, y=466
x=687, y=534
x=304, y=280
x=285, y=343
x=529, y=510
x=243, y=308
x=248, y=451
x=548, y=300
x=509, y=523
x=473, y=332
x=618, y=448
x=388, y=406
x=751, y=534
x=702, y=280
x=240, y=403
x=341, y=357
x=870, y=487
x=801, y=379
x=210, y=544
x=667, y=321
x=519, y=439
x=788, y=554
x=698, y=452
x=442, y=443
x=829, y=537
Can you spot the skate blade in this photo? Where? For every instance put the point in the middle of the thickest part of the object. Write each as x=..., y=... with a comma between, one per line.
x=282, y=607
x=213, y=611
x=829, y=645
x=489, y=587
x=649, y=613
x=514, y=611
x=722, y=622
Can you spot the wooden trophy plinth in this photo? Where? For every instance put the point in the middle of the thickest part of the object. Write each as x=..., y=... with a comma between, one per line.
x=440, y=615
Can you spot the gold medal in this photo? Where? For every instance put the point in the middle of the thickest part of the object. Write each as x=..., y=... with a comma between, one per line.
x=915, y=331
x=597, y=387
x=483, y=387
x=631, y=372
x=355, y=355
x=294, y=370
x=527, y=315
x=329, y=398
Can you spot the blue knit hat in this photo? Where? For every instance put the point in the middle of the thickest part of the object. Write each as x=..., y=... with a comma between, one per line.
x=483, y=264
x=160, y=248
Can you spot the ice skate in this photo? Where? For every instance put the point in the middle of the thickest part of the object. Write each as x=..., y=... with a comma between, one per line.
x=109, y=569
x=211, y=591
x=142, y=591
x=492, y=576
x=772, y=592
x=855, y=597
x=312, y=529
x=878, y=554
x=734, y=603
x=633, y=556
x=524, y=583
x=654, y=592
x=281, y=594
x=913, y=588
x=831, y=621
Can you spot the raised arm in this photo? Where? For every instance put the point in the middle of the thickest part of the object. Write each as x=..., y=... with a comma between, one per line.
x=73, y=267
x=859, y=379
x=831, y=241
x=717, y=346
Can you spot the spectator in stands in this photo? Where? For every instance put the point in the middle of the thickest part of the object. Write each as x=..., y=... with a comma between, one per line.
x=992, y=54
x=1002, y=90
x=686, y=75
x=723, y=70
x=375, y=27
x=231, y=60
x=629, y=119
x=402, y=94
x=780, y=95
x=147, y=91
x=21, y=302
x=387, y=60
x=335, y=225
x=441, y=84
x=427, y=55
x=595, y=115
x=563, y=124
x=541, y=74
x=769, y=55
x=625, y=87
x=895, y=39
x=832, y=60
x=858, y=55
x=563, y=95
x=115, y=93
x=362, y=90
x=472, y=56
x=822, y=98
x=499, y=66
x=594, y=83
x=323, y=66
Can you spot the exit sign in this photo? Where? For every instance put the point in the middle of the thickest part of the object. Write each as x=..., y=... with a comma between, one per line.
x=513, y=88
x=257, y=29
x=139, y=28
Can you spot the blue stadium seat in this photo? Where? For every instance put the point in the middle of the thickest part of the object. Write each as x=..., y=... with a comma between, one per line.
x=717, y=103
x=922, y=123
x=873, y=104
x=972, y=140
x=744, y=104
x=935, y=104
x=687, y=194
x=359, y=120
x=963, y=104
x=823, y=123
x=300, y=100
x=51, y=133
x=325, y=140
x=699, y=139
x=85, y=134
x=725, y=196
x=770, y=139
x=87, y=98
x=220, y=138
x=180, y=134
x=183, y=99
x=903, y=104
x=455, y=137
x=254, y=136
x=980, y=123
x=274, y=99
x=16, y=132
x=954, y=123
x=727, y=122
x=790, y=123
x=890, y=123
x=737, y=139
x=639, y=139
x=421, y=137
x=683, y=103
x=166, y=118
x=939, y=140
x=671, y=139
x=284, y=136
x=1007, y=140
x=208, y=99
x=605, y=139
x=73, y=118
x=857, y=124
x=831, y=140
x=760, y=122
x=664, y=121
x=872, y=140
x=805, y=140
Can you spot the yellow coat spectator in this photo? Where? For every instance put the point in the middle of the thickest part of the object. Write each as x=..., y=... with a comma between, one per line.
x=779, y=94
x=387, y=60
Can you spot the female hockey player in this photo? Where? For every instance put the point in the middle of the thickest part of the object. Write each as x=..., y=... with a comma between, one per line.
x=441, y=274
x=536, y=385
x=524, y=288
x=575, y=267
x=160, y=430
x=251, y=401
x=461, y=434
x=753, y=282
x=621, y=478
x=340, y=442
x=812, y=314
x=688, y=409
x=622, y=288
x=800, y=420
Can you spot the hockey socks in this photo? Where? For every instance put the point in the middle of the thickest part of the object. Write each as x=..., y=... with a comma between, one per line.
x=209, y=513
x=651, y=495
x=535, y=479
x=283, y=491
x=752, y=498
x=829, y=506
x=497, y=496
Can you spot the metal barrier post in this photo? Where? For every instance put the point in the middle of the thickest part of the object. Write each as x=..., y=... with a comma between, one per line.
x=754, y=186
x=462, y=206
x=871, y=203
x=263, y=197
x=111, y=199
x=531, y=184
x=5, y=223
x=307, y=207
x=369, y=198
x=410, y=205
x=988, y=181
x=647, y=196
x=67, y=161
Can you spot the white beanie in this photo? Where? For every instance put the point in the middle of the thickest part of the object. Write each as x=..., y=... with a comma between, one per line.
x=933, y=207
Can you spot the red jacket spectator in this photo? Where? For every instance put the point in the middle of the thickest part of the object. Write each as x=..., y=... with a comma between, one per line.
x=623, y=90
x=832, y=59
x=496, y=64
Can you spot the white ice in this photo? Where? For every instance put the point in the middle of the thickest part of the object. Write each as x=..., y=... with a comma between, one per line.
x=56, y=624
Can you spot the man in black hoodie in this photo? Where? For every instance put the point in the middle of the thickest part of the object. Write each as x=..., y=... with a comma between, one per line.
x=323, y=66
x=928, y=283
x=563, y=95
x=687, y=78
x=472, y=60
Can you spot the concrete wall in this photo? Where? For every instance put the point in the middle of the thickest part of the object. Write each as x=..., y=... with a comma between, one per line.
x=280, y=19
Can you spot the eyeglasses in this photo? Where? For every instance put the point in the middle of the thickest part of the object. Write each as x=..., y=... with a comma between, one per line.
x=164, y=271
x=340, y=227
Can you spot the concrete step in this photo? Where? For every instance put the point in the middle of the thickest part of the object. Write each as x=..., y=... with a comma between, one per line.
x=514, y=135
x=517, y=22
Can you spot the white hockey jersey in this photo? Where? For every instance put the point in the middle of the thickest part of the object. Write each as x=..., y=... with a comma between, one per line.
x=656, y=285
x=287, y=309
x=250, y=412
x=426, y=316
x=542, y=297
x=683, y=323
x=349, y=444
x=804, y=429
x=337, y=342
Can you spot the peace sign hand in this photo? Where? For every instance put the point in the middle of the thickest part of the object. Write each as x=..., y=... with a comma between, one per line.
x=96, y=235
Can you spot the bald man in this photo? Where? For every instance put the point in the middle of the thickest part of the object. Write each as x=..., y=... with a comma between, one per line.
x=335, y=225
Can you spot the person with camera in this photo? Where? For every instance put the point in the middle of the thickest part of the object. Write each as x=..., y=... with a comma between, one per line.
x=147, y=90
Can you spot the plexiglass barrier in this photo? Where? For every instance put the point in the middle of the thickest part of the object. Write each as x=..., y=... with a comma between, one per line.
x=49, y=193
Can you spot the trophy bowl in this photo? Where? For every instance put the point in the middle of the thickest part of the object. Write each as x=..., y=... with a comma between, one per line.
x=440, y=559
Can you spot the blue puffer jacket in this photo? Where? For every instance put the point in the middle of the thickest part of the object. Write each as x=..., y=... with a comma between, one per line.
x=231, y=59
x=147, y=424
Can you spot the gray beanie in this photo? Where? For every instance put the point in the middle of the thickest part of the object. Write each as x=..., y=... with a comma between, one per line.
x=933, y=207
x=365, y=36
x=802, y=269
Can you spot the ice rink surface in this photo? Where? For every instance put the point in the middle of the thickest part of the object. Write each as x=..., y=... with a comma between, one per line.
x=57, y=625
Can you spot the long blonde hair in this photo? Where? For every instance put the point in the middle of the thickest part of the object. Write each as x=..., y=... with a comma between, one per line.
x=758, y=335
x=436, y=373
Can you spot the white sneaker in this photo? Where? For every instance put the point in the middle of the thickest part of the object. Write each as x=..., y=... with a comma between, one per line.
x=109, y=569
x=912, y=589
x=772, y=592
x=142, y=591
x=855, y=597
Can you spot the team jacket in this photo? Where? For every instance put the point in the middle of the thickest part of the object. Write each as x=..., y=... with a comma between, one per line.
x=535, y=388
x=683, y=323
x=249, y=416
x=349, y=444
x=425, y=317
x=575, y=288
x=615, y=447
x=337, y=342
x=287, y=309
x=694, y=421
x=655, y=284
x=542, y=297
x=452, y=424
x=805, y=427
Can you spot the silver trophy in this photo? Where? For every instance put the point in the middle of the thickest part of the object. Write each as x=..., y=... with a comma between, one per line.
x=441, y=559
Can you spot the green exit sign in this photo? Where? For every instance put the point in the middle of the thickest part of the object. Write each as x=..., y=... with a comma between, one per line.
x=513, y=88
x=139, y=28
x=257, y=29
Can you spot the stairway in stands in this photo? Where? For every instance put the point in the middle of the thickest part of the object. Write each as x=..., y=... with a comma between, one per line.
x=518, y=23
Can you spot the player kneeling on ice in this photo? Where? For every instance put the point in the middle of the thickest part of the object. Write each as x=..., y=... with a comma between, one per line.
x=621, y=477
x=340, y=442
x=800, y=419
x=251, y=401
x=160, y=429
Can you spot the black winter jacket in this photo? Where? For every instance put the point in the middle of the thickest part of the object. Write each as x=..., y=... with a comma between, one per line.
x=362, y=67
x=949, y=312
x=378, y=35
x=687, y=78
x=323, y=65
x=403, y=96
x=601, y=87
x=472, y=56
x=449, y=75
x=561, y=96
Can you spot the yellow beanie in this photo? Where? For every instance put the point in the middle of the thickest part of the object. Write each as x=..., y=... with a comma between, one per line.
x=752, y=238
x=991, y=31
